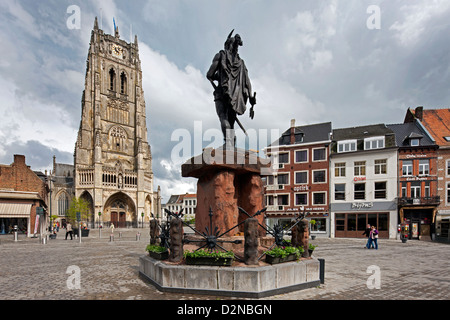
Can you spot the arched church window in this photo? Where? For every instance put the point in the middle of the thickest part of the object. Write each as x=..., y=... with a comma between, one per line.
x=112, y=79
x=63, y=204
x=118, y=137
x=123, y=83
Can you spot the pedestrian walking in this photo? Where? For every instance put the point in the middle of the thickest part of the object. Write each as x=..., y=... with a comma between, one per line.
x=374, y=237
x=69, y=231
x=367, y=234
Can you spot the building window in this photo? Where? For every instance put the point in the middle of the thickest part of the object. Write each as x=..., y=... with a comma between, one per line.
x=269, y=200
x=381, y=166
x=319, y=198
x=414, y=142
x=448, y=167
x=346, y=146
x=359, y=191
x=360, y=168
x=319, y=176
x=339, y=169
x=339, y=191
x=301, y=177
x=112, y=79
x=374, y=143
x=427, y=189
x=319, y=154
x=448, y=193
x=424, y=167
x=283, y=178
x=404, y=190
x=269, y=180
x=63, y=204
x=123, y=83
x=301, y=199
x=301, y=156
x=407, y=167
x=380, y=190
x=283, y=199
x=283, y=158
x=415, y=189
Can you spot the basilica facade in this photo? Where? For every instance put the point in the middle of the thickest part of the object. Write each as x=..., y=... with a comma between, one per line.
x=112, y=158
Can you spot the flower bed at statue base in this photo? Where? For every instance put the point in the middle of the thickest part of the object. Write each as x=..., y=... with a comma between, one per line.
x=157, y=252
x=207, y=258
x=283, y=254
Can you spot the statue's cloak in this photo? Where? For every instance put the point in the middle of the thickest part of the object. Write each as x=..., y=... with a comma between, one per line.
x=234, y=81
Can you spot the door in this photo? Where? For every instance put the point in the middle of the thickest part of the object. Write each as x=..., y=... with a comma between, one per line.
x=122, y=219
x=115, y=219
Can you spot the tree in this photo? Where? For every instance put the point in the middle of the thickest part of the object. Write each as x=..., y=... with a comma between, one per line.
x=78, y=205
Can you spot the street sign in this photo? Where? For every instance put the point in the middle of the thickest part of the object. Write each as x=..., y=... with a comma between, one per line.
x=40, y=211
x=78, y=217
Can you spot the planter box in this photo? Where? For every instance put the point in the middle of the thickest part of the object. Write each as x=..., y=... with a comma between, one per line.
x=274, y=260
x=310, y=251
x=159, y=255
x=85, y=232
x=209, y=261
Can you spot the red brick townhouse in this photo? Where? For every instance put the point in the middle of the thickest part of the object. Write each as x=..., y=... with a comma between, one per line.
x=437, y=123
x=300, y=161
x=21, y=193
x=418, y=197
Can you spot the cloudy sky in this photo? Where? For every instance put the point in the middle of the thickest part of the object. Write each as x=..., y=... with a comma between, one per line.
x=315, y=61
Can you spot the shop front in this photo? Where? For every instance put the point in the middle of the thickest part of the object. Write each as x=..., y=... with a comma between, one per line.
x=421, y=222
x=350, y=220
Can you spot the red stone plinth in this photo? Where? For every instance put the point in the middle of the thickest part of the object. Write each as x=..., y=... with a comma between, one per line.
x=227, y=179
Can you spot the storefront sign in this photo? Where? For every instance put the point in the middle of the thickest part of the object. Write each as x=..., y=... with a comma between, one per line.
x=301, y=188
x=416, y=155
x=359, y=179
x=362, y=205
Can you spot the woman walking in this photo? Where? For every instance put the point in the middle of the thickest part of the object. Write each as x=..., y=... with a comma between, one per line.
x=374, y=236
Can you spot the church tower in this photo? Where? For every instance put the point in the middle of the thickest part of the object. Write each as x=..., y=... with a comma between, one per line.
x=112, y=159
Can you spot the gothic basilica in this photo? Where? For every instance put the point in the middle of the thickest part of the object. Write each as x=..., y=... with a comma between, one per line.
x=112, y=160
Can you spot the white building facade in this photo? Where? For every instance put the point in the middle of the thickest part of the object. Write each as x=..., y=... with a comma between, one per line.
x=363, y=182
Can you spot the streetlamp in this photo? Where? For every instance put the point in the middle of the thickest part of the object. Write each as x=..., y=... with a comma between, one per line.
x=99, y=225
x=142, y=215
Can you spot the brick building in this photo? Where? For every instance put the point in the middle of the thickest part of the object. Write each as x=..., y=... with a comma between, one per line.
x=437, y=123
x=418, y=198
x=300, y=160
x=21, y=192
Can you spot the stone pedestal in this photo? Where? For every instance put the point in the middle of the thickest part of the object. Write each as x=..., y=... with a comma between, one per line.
x=227, y=179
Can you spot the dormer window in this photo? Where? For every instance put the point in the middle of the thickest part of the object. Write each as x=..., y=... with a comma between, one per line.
x=346, y=146
x=373, y=143
x=414, y=142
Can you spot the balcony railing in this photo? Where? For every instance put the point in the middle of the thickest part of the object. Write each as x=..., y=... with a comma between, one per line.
x=407, y=201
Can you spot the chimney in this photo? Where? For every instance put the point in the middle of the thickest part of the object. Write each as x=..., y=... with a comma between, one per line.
x=19, y=159
x=292, y=140
x=419, y=113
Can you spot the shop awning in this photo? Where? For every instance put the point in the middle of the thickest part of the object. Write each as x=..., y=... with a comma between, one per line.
x=15, y=210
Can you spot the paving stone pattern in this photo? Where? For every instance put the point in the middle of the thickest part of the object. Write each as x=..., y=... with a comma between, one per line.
x=30, y=270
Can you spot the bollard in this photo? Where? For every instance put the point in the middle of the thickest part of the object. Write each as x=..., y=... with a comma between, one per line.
x=120, y=235
x=111, y=238
x=322, y=270
x=15, y=236
x=44, y=240
x=138, y=236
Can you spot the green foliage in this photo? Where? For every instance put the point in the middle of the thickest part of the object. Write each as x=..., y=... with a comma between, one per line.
x=78, y=205
x=204, y=253
x=313, y=222
x=283, y=252
x=155, y=248
x=311, y=246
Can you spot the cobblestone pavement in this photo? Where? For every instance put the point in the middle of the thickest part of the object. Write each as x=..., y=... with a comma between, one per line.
x=109, y=270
